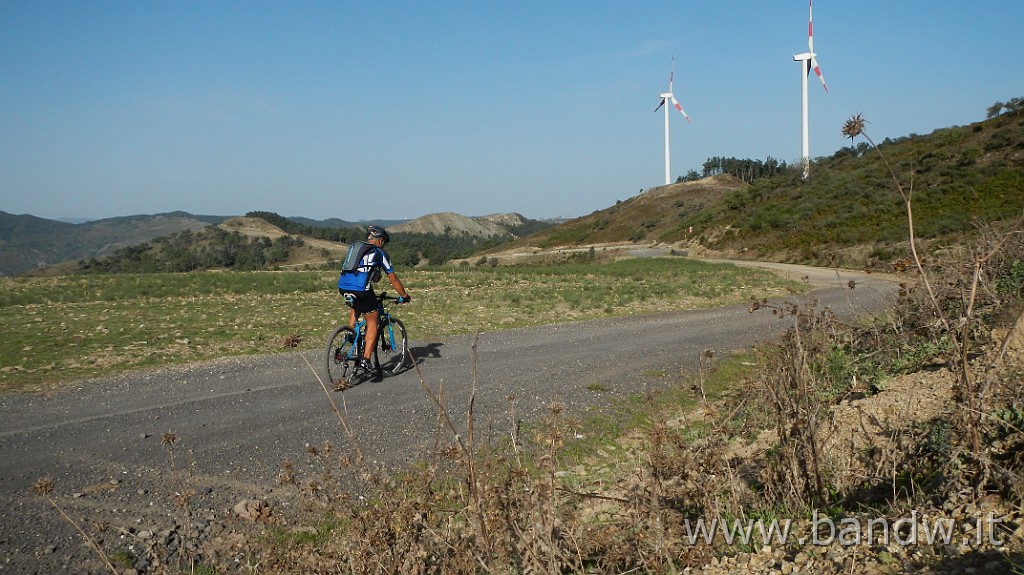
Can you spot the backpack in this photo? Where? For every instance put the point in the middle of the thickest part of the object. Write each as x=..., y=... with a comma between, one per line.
x=356, y=252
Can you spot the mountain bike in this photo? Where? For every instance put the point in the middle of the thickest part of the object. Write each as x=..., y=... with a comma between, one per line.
x=345, y=347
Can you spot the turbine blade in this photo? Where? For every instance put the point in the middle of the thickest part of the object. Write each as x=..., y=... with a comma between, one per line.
x=810, y=26
x=680, y=108
x=817, y=72
x=660, y=105
x=810, y=45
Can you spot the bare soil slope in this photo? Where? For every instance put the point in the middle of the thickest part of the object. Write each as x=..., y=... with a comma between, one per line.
x=452, y=224
x=659, y=214
x=313, y=251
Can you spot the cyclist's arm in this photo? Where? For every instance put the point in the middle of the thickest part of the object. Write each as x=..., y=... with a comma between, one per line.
x=397, y=283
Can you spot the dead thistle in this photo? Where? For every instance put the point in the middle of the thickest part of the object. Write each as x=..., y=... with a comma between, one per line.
x=855, y=127
x=44, y=487
x=168, y=439
x=183, y=495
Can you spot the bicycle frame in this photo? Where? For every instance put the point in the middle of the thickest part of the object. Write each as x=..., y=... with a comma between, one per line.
x=383, y=321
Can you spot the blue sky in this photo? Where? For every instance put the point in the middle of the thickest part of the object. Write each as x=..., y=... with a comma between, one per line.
x=398, y=109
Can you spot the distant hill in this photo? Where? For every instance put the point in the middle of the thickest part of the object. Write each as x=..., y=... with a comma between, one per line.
x=182, y=242
x=28, y=242
x=343, y=224
x=652, y=213
x=313, y=251
x=962, y=179
x=510, y=225
x=434, y=238
x=451, y=224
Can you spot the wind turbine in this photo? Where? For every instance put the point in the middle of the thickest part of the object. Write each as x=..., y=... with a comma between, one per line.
x=808, y=61
x=668, y=97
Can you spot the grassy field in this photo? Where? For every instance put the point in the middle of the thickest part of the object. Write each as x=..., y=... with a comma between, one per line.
x=64, y=329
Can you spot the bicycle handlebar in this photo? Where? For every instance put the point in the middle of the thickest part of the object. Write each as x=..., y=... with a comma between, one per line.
x=384, y=296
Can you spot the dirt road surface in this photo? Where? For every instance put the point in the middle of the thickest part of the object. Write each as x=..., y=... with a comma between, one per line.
x=236, y=420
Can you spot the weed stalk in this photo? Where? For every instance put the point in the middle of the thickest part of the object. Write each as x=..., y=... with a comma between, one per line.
x=44, y=487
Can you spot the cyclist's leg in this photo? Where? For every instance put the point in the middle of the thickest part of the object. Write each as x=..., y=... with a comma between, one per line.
x=366, y=305
x=371, y=333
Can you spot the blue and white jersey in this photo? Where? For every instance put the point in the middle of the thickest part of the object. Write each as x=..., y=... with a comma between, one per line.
x=360, y=278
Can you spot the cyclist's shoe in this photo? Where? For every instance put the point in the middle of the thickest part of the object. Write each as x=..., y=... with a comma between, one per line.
x=376, y=374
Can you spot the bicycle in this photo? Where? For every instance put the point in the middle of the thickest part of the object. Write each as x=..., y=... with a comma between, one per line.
x=345, y=347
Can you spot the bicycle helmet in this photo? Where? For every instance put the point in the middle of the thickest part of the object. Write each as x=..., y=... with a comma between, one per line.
x=374, y=231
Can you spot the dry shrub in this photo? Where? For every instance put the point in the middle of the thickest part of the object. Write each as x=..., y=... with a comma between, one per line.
x=425, y=520
x=967, y=326
x=428, y=519
x=963, y=296
x=797, y=382
x=970, y=313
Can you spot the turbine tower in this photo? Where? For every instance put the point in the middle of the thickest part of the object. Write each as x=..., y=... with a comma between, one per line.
x=808, y=61
x=669, y=97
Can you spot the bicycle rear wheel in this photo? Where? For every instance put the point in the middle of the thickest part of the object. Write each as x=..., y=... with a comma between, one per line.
x=340, y=359
x=393, y=347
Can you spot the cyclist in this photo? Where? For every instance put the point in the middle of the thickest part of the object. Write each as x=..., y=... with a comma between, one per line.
x=356, y=286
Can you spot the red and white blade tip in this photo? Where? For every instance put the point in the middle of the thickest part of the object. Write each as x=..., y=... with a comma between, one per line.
x=817, y=72
x=810, y=19
x=810, y=43
x=680, y=108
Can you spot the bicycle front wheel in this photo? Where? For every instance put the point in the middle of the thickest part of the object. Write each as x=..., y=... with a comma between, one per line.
x=393, y=347
x=339, y=358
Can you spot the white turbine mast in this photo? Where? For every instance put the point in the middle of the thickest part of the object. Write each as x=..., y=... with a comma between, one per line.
x=669, y=97
x=808, y=61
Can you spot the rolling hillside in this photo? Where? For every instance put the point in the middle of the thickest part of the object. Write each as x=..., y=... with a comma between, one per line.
x=313, y=251
x=657, y=212
x=849, y=212
x=452, y=224
x=32, y=244
x=28, y=242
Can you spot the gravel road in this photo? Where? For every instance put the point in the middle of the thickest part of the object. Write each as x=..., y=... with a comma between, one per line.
x=236, y=420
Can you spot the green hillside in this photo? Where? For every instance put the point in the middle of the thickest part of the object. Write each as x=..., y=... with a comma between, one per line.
x=959, y=178
x=28, y=242
x=847, y=212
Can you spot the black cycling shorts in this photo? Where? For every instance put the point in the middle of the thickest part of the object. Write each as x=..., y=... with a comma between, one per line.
x=361, y=301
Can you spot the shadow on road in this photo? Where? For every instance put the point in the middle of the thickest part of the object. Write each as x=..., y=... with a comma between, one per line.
x=429, y=351
x=418, y=355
